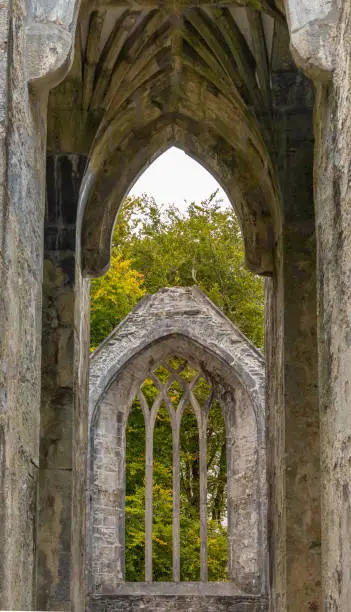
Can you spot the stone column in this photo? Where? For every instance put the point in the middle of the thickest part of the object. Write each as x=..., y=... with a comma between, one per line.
x=321, y=41
x=246, y=568
x=291, y=352
x=35, y=46
x=107, y=474
x=63, y=431
x=22, y=146
x=333, y=226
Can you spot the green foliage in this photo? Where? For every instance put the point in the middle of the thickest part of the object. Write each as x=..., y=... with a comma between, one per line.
x=135, y=495
x=162, y=497
x=112, y=297
x=155, y=247
x=201, y=246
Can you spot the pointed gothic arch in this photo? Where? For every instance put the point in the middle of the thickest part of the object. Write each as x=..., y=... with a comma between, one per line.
x=150, y=79
x=250, y=196
x=139, y=61
x=148, y=100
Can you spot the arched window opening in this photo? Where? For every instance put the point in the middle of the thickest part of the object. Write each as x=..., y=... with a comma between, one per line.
x=184, y=482
x=179, y=370
x=217, y=512
x=190, y=532
x=162, y=499
x=161, y=240
x=185, y=534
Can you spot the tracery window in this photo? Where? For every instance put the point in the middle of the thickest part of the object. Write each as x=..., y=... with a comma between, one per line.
x=179, y=482
x=174, y=482
x=154, y=421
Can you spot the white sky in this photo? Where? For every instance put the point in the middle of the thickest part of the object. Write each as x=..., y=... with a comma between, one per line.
x=174, y=178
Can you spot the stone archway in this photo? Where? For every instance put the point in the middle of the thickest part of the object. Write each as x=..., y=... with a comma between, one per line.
x=36, y=47
x=42, y=35
x=180, y=322
x=187, y=94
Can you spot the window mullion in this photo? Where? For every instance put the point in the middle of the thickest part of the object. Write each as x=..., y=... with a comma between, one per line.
x=176, y=499
x=149, y=451
x=202, y=418
x=203, y=500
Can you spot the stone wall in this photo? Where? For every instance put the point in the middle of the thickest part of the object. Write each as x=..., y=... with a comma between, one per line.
x=180, y=603
x=291, y=351
x=333, y=223
x=178, y=321
x=35, y=45
x=64, y=398
x=21, y=238
x=322, y=49
x=22, y=207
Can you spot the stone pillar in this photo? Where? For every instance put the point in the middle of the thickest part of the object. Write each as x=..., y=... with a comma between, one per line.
x=291, y=352
x=22, y=146
x=106, y=536
x=245, y=566
x=322, y=48
x=35, y=45
x=63, y=431
x=80, y=439
x=333, y=223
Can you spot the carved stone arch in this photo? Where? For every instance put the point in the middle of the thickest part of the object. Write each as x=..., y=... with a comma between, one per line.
x=207, y=97
x=105, y=194
x=183, y=322
x=179, y=308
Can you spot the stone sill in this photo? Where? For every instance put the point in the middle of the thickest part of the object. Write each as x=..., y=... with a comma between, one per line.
x=211, y=589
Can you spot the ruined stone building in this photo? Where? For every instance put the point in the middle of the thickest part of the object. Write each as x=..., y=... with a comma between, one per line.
x=257, y=91
x=177, y=322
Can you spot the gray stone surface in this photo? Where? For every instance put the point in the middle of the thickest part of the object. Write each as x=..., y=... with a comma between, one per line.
x=22, y=209
x=186, y=313
x=333, y=223
x=65, y=311
x=183, y=604
x=22, y=143
x=313, y=26
x=291, y=340
x=49, y=41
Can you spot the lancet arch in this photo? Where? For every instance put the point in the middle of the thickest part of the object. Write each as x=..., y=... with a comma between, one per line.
x=147, y=79
x=208, y=148
x=36, y=49
x=137, y=65
x=180, y=322
x=195, y=70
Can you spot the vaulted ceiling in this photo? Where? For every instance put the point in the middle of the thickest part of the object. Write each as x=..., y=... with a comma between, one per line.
x=148, y=77
x=122, y=49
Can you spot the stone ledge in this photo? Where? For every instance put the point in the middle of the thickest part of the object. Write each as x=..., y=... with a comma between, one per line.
x=184, y=589
x=186, y=603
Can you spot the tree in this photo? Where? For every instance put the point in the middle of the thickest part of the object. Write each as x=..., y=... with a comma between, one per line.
x=201, y=246
x=112, y=297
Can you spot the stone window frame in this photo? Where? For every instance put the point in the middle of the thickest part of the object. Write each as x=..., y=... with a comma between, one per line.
x=201, y=414
x=120, y=358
